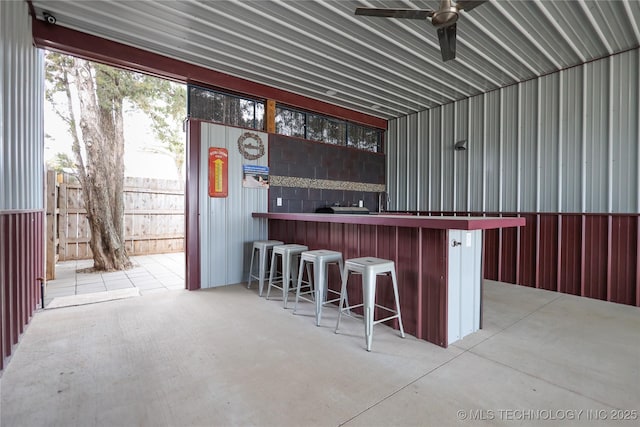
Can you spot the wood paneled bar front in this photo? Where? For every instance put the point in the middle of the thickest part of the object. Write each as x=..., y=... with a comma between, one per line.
x=438, y=262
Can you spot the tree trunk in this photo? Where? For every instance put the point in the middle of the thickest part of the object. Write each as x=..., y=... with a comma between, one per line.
x=98, y=140
x=102, y=174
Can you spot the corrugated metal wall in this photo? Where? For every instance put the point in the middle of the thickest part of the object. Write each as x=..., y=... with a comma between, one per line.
x=565, y=142
x=590, y=255
x=227, y=230
x=21, y=112
x=21, y=174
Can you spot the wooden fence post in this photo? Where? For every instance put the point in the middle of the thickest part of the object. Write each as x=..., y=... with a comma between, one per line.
x=52, y=224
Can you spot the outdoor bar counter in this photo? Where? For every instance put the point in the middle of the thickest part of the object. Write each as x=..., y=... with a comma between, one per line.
x=438, y=263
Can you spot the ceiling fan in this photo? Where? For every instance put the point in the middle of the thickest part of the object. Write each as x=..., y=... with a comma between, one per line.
x=444, y=19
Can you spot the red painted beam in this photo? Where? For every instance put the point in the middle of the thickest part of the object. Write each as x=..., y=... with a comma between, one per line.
x=4, y=263
x=609, y=252
x=518, y=231
x=500, y=255
x=537, y=252
x=638, y=262
x=419, y=296
x=192, y=207
x=583, y=255
x=559, y=282
x=77, y=43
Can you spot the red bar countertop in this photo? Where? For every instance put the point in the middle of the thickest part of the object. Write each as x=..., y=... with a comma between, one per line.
x=413, y=221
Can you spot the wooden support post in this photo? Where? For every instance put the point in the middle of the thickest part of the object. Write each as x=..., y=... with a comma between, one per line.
x=270, y=116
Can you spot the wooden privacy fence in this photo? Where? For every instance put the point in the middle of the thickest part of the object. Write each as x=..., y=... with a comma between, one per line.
x=153, y=218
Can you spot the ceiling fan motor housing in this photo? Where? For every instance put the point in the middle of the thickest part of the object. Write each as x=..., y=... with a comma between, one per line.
x=445, y=17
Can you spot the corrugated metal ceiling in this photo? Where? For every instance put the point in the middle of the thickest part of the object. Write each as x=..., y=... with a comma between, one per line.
x=379, y=66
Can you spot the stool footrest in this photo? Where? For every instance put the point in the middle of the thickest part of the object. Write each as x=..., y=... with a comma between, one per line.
x=331, y=300
x=253, y=276
x=291, y=288
x=311, y=292
x=277, y=279
x=386, y=308
x=395, y=316
x=349, y=307
x=313, y=300
x=347, y=310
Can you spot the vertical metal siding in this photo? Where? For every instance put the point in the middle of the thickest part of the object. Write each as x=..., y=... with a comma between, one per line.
x=565, y=142
x=21, y=174
x=21, y=128
x=399, y=199
x=623, y=256
x=509, y=245
x=475, y=177
x=596, y=139
x=421, y=262
x=491, y=152
x=391, y=150
x=461, y=158
x=528, y=126
x=637, y=64
x=509, y=144
x=412, y=163
x=3, y=42
x=624, y=131
x=226, y=226
x=571, y=140
x=435, y=159
x=591, y=255
x=548, y=142
x=447, y=141
x=563, y=151
x=425, y=159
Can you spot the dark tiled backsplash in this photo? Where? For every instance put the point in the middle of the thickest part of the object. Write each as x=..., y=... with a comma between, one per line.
x=295, y=157
x=308, y=159
x=309, y=199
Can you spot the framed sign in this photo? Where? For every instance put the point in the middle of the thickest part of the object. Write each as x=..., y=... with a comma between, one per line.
x=218, y=172
x=255, y=176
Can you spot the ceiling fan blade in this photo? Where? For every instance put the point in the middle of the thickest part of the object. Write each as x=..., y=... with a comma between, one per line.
x=447, y=39
x=468, y=5
x=395, y=13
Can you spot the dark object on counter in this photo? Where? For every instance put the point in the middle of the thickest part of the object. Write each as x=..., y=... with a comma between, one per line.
x=343, y=210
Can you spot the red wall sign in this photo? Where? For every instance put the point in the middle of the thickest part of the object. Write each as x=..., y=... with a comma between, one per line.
x=218, y=172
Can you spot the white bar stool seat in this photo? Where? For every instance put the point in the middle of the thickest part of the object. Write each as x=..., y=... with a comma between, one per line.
x=321, y=259
x=370, y=268
x=263, y=247
x=290, y=254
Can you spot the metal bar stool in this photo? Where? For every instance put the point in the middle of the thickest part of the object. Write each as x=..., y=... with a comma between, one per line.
x=263, y=247
x=290, y=254
x=321, y=259
x=370, y=268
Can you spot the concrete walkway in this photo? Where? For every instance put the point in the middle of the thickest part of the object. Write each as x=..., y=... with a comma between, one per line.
x=226, y=357
x=151, y=273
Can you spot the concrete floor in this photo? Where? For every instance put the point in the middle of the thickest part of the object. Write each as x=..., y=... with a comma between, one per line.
x=225, y=356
